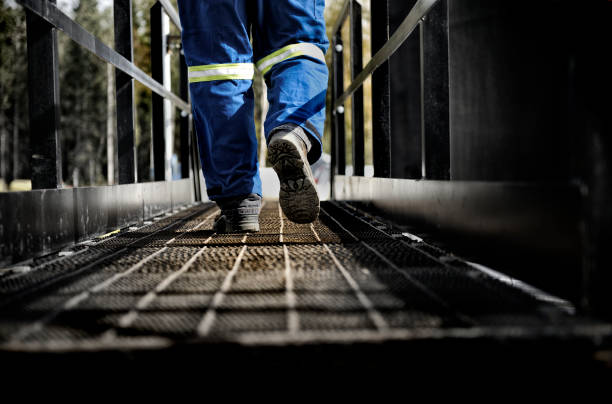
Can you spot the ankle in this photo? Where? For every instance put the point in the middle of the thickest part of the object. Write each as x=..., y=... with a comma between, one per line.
x=293, y=131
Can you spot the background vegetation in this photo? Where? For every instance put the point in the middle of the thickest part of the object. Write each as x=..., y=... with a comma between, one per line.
x=87, y=94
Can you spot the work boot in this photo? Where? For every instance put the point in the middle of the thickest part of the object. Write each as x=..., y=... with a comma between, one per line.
x=238, y=214
x=287, y=152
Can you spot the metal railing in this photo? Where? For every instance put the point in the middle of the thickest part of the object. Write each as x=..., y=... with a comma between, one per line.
x=86, y=211
x=511, y=175
x=435, y=162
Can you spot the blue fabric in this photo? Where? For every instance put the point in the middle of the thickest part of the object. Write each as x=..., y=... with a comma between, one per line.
x=216, y=32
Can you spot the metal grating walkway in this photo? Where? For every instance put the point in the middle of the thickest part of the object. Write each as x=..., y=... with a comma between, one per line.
x=345, y=278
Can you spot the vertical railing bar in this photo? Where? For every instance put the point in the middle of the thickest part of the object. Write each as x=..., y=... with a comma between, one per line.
x=357, y=98
x=157, y=73
x=381, y=92
x=124, y=93
x=184, y=121
x=422, y=100
x=340, y=137
x=435, y=115
x=195, y=161
x=44, y=102
x=334, y=130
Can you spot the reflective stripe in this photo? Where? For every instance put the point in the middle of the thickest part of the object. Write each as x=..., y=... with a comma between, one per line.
x=290, y=51
x=228, y=71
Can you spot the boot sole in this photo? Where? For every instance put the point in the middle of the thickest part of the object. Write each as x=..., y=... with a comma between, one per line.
x=298, y=196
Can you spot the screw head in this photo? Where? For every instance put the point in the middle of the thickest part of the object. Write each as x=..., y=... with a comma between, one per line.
x=339, y=48
x=340, y=109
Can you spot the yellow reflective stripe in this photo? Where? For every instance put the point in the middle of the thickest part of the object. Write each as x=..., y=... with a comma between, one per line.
x=210, y=67
x=221, y=77
x=273, y=54
x=287, y=52
x=228, y=71
x=291, y=55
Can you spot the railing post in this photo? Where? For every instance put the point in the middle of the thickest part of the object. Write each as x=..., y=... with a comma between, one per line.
x=339, y=138
x=184, y=122
x=44, y=103
x=405, y=103
x=157, y=72
x=357, y=99
x=381, y=92
x=195, y=162
x=435, y=129
x=126, y=150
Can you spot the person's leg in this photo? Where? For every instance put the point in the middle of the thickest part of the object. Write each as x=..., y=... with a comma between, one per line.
x=219, y=57
x=290, y=43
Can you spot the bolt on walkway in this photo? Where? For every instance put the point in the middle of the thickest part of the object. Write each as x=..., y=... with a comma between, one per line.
x=345, y=278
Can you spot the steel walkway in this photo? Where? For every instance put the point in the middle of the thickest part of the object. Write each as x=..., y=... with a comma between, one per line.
x=346, y=278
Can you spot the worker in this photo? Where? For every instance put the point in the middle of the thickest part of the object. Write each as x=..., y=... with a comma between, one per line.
x=288, y=47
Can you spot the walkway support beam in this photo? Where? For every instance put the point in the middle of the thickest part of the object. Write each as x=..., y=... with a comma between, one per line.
x=44, y=102
x=125, y=93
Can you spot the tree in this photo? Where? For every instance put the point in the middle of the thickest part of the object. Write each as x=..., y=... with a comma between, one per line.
x=14, y=139
x=83, y=89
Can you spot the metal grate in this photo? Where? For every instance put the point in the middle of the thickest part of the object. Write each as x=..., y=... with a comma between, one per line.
x=344, y=276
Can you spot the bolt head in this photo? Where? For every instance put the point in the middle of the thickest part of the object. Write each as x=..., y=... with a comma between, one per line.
x=340, y=109
x=339, y=48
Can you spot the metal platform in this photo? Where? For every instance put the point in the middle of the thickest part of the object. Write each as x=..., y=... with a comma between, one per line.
x=347, y=278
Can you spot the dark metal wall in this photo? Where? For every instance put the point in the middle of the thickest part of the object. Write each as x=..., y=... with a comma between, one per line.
x=530, y=102
x=499, y=95
x=39, y=222
x=405, y=103
x=509, y=71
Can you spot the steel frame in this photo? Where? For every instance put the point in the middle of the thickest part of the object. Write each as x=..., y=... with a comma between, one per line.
x=49, y=218
x=557, y=213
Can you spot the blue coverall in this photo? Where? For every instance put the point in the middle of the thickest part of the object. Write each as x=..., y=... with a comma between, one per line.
x=289, y=43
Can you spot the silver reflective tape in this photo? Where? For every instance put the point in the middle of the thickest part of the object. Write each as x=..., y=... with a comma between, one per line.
x=244, y=71
x=295, y=50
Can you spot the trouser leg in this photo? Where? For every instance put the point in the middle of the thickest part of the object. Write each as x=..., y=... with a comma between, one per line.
x=219, y=56
x=289, y=45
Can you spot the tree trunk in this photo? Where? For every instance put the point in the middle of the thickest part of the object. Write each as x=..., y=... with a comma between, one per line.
x=16, y=140
x=4, y=135
x=110, y=125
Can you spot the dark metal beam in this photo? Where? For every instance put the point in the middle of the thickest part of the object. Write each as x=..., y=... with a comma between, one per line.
x=195, y=163
x=435, y=128
x=381, y=90
x=338, y=140
x=125, y=93
x=357, y=99
x=44, y=100
x=405, y=95
x=184, y=121
x=157, y=72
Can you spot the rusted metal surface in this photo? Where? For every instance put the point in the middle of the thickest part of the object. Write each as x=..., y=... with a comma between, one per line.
x=345, y=278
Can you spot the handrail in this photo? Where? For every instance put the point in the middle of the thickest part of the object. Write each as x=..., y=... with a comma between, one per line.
x=171, y=13
x=344, y=12
x=420, y=9
x=54, y=16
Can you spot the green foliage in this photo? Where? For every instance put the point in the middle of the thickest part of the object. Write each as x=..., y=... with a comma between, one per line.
x=332, y=12
x=83, y=81
x=13, y=94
